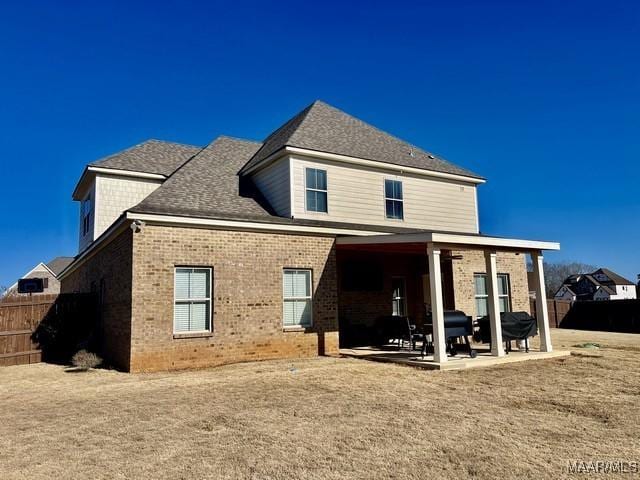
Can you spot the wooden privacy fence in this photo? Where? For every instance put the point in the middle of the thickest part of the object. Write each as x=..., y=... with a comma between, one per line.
x=33, y=327
x=19, y=318
x=558, y=309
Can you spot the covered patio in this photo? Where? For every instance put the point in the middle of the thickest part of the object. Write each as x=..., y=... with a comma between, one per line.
x=430, y=254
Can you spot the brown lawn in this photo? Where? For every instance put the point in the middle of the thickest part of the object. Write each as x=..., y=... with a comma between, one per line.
x=326, y=418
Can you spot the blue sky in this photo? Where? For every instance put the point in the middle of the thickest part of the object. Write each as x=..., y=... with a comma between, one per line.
x=542, y=98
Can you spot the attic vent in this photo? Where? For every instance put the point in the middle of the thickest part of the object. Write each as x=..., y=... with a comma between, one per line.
x=431, y=156
x=411, y=152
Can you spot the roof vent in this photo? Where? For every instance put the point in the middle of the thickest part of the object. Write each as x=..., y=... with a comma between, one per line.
x=411, y=152
x=431, y=156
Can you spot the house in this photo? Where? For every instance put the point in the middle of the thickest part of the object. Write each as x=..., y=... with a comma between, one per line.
x=48, y=272
x=247, y=250
x=603, y=284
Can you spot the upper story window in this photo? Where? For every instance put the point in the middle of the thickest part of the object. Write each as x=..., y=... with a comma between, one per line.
x=393, y=199
x=316, y=190
x=85, y=215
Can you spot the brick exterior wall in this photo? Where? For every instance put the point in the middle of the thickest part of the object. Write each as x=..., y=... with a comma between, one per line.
x=135, y=273
x=363, y=307
x=247, y=297
x=473, y=261
x=108, y=273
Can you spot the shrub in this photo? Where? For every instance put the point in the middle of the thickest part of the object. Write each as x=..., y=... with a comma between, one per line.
x=85, y=360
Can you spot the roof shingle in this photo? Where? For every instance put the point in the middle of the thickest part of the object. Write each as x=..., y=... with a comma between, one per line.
x=152, y=156
x=324, y=128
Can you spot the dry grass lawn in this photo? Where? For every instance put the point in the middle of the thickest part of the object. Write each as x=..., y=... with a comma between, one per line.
x=326, y=418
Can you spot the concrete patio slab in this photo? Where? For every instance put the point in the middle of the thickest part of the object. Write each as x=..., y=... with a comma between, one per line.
x=459, y=362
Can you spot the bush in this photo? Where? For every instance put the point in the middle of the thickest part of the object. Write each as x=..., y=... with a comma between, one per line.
x=85, y=360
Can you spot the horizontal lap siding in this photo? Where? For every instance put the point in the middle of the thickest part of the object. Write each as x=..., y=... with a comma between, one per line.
x=273, y=182
x=356, y=195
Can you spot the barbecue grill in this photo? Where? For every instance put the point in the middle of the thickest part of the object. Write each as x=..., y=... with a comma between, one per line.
x=456, y=324
x=515, y=326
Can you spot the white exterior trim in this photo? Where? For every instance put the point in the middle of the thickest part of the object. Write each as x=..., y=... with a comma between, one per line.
x=95, y=246
x=450, y=238
x=126, y=173
x=246, y=225
x=360, y=161
x=116, y=172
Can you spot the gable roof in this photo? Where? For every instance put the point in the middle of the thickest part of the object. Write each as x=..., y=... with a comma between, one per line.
x=151, y=156
x=58, y=264
x=614, y=277
x=324, y=128
x=208, y=186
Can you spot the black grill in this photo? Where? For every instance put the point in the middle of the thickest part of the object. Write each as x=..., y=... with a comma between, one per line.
x=456, y=324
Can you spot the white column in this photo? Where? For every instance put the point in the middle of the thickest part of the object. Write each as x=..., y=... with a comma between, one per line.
x=541, y=302
x=437, y=306
x=497, y=348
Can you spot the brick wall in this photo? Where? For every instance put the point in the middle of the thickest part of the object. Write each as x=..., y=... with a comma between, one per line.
x=473, y=261
x=364, y=307
x=247, y=297
x=108, y=273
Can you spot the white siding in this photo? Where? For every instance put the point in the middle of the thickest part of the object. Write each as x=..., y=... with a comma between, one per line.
x=273, y=182
x=116, y=194
x=356, y=195
x=85, y=240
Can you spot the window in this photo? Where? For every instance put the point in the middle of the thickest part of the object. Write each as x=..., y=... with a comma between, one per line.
x=393, y=199
x=85, y=215
x=298, y=306
x=482, y=293
x=316, y=183
x=398, y=297
x=192, y=306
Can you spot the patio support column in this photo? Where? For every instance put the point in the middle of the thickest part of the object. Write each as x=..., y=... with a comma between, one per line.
x=541, y=301
x=437, y=305
x=497, y=348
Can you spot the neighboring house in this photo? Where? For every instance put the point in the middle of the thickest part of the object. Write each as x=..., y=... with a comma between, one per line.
x=48, y=272
x=246, y=250
x=603, y=284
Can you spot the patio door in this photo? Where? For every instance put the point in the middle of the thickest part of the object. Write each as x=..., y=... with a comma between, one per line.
x=399, y=296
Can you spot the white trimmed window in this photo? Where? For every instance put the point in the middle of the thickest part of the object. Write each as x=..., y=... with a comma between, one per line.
x=316, y=190
x=298, y=303
x=192, y=300
x=85, y=214
x=393, y=199
x=482, y=293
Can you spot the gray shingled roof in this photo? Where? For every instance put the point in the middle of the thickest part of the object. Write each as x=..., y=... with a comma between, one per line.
x=58, y=264
x=321, y=127
x=208, y=186
x=152, y=156
x=613, y=276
